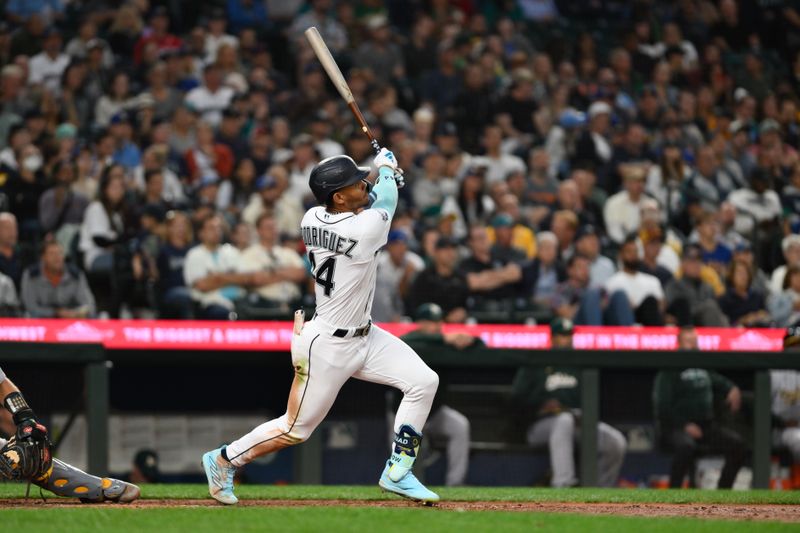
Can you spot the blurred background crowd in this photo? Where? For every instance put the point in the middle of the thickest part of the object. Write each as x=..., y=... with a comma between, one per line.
x=608, y=162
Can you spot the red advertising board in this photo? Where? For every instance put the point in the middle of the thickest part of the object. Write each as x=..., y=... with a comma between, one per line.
x=276, y=336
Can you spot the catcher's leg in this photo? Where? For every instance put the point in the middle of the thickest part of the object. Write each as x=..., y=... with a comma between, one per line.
x=66, y=480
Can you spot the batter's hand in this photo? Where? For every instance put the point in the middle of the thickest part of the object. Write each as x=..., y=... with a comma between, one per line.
x=386, y=158
x=399, y=179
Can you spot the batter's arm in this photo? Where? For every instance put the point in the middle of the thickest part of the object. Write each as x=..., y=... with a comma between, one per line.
x=385, y=191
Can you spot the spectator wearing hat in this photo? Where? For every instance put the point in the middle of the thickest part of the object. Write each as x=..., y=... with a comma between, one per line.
x=397, y=268
x=575, y=300
x=212, y=97
x=271, y=196
x=593, y=149
x=498, y=164
x=442, y=283
x=521, y=237
x=444, y=424
x=216, y=36
x=772, y=152
x=78, y=47
x=691, y=300
x=378, y=53
x=622, y=211
x=493, y=273
x=790, y=245
x=740, y=303
x=126, y=152
x=145, y=467
x=46, y=67
x=645, y=294
x=587, y=244
x=553, y=395
x=284, y=267
x=158, y=35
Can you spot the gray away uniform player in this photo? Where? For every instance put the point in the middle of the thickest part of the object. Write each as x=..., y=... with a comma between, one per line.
x=343, y=238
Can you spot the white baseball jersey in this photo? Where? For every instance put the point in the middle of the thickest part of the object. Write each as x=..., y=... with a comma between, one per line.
x=342, y=249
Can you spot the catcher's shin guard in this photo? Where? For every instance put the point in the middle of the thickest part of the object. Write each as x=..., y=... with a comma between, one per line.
x=68, y=481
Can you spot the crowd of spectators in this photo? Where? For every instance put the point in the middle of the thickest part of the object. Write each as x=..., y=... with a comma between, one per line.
x=605, y=162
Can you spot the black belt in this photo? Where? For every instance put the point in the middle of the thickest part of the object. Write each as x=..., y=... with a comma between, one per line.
x=358, y=332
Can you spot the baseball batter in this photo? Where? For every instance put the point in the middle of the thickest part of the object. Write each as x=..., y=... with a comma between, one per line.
x=343, y=237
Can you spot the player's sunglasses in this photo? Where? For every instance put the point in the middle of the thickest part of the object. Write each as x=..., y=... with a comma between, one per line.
x=367, y=184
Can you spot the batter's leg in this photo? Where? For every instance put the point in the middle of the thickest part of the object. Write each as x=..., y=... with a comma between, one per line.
x=390, y=361
x=321, y=368
x=322, y=364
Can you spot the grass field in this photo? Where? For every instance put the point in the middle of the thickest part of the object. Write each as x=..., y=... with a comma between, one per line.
x=318, y=516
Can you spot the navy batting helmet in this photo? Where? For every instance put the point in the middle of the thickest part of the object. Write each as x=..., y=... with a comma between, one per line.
x=334, y=173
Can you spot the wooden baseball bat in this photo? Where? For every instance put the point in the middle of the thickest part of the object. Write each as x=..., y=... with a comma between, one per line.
x=330, y=66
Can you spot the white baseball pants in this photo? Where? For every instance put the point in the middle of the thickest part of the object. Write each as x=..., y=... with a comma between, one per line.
x=323, y=363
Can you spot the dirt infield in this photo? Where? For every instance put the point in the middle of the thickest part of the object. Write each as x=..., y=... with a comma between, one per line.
x=779, y=513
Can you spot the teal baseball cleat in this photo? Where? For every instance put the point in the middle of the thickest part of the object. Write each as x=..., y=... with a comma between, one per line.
x=408, y=487
x=220, y=477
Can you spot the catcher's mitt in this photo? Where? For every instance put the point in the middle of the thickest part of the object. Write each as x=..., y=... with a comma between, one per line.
x=27, y=455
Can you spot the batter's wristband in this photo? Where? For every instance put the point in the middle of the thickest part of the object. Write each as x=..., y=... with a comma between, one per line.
x=18, y=407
